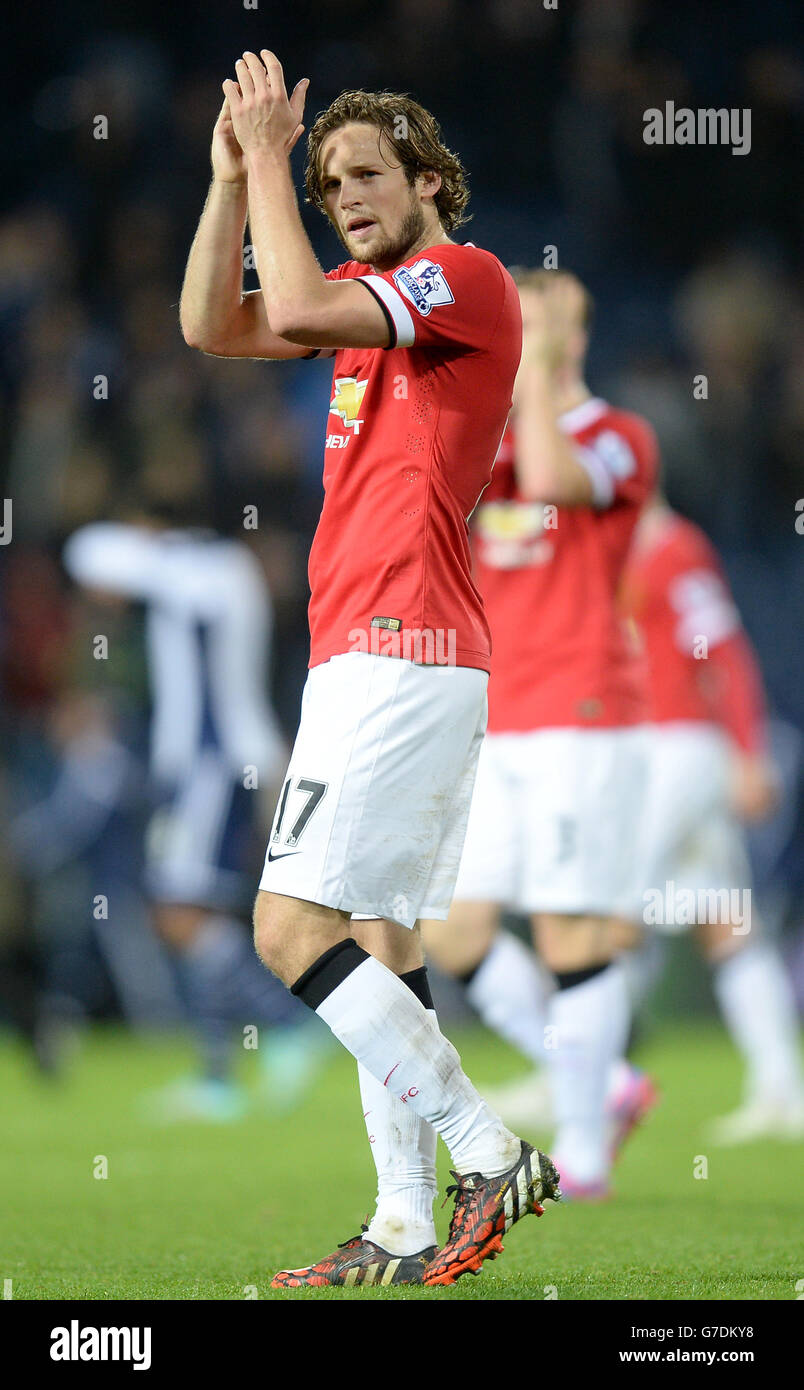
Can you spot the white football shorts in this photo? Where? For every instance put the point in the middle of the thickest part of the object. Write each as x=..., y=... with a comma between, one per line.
x=691, y=843
x=372, y=815
x=198, y=838
x=554, y=820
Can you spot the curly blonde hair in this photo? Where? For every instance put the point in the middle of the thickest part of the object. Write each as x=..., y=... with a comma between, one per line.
x=414, y=136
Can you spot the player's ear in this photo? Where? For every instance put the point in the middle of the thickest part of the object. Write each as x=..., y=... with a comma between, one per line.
x=428, y=182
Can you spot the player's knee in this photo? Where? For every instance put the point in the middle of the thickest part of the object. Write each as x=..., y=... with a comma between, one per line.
x=625, y=935
x=573, y=942
x=459, y=945
x=267, y=931
x=177, y=924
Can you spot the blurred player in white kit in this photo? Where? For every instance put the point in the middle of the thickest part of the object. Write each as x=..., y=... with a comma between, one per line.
x=216, y=752
x=709, y=772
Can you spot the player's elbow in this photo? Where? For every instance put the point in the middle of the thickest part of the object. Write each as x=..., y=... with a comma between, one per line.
x=299, y=320
x=205, y=342
x=552, y=488
x=533, y=489
x=291, y=322
x=195, y=335
x=541, y=486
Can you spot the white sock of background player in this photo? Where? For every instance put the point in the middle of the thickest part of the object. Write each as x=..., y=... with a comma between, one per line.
x=509, y=990
x=756, y=999
x=588, y=1017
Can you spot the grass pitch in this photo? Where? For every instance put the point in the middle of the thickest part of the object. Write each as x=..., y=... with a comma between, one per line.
x=195, y=1211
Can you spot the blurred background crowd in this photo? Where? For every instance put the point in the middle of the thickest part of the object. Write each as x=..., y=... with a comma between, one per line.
x=692, y=255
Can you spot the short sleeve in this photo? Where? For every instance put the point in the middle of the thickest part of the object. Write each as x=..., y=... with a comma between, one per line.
x=452, y=297
x=698, y=594
x=703, y=607
x=621, y=460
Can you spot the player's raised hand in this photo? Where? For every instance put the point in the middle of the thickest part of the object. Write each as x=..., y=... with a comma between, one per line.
x=549, y=315
x=228, y=160
x=264, y=118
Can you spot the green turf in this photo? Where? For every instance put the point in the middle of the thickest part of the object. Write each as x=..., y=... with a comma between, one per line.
x=201, y=1212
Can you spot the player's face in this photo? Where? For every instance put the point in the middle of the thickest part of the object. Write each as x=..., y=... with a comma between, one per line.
x=377, y=214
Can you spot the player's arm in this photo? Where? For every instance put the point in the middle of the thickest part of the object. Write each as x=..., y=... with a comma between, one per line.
x=729, y=678
x=215, y=315
x=301, y=305
x=111, y=557
x=738, y=705
x=547, y=465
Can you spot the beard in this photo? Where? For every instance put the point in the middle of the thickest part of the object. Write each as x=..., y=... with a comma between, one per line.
x=390, y=251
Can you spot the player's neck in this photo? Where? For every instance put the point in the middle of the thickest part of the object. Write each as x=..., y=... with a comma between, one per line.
x=569, y=391
x=431, y=236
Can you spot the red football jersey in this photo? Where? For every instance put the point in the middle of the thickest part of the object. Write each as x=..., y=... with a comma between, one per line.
x=413, y=431
x=699, y=663
x=549, y=579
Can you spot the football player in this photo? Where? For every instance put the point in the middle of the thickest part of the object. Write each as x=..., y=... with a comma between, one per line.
x=552, y=830
x=710, y=773
x=215, y=748
x=426, y=337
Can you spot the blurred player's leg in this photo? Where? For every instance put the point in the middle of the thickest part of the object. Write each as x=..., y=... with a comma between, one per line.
x=508, y=989
x=756, y=1000
x=205, y=950
x=501, y=975
x=551, y=822
x=196, y=852
x=579, y=876
x=224, y=989
x=588, y=1021
x=694, y=843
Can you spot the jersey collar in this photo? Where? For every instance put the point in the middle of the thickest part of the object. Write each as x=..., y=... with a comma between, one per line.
x=582, y=415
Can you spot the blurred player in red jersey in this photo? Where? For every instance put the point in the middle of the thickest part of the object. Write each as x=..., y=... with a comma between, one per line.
x=560, y=782
x=710, y=771
x=367, y=837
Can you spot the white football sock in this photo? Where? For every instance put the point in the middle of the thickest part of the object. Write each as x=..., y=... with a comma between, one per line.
x=509, y=990
x=403, y=1146
x=591, y=1022
x=755, y=997
x=643, y=965
x=382, y=1023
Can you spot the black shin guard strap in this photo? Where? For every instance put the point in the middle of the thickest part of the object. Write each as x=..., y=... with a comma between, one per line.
x=568, y=979
x=329, y=971
x=418, y=984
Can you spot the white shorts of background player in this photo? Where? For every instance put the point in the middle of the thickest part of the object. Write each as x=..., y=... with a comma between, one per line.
x=373, y=811
x=691, y=843
x=554, y=821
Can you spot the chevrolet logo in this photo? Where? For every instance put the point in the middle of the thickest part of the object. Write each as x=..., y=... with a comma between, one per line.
x=516, y=521
x=348, y=398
